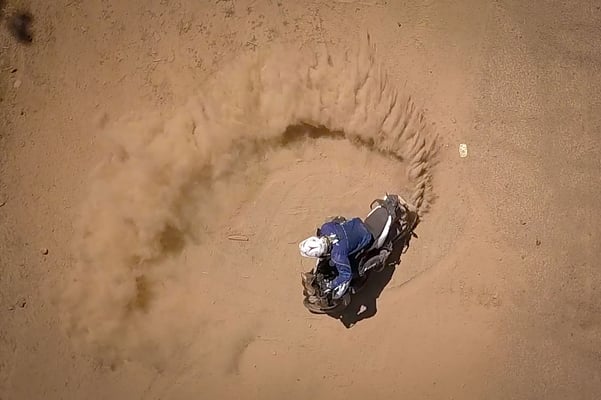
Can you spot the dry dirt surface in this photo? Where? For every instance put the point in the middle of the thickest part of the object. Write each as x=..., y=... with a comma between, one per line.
x=160, y=161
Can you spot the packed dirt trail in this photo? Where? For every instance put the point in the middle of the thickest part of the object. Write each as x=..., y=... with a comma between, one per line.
x=137, y=142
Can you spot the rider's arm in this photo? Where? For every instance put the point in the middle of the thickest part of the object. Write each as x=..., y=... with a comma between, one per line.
x=339, y=256
x=343, y=265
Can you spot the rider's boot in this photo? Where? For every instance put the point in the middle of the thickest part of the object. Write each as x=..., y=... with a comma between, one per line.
x=382, y=261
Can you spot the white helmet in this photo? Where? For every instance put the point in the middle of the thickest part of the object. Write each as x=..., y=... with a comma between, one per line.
x=314, y=247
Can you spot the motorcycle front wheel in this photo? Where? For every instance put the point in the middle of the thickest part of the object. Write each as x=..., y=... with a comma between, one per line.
x=336, y=308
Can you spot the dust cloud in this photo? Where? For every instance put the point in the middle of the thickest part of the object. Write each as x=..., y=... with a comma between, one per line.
x=165, y=178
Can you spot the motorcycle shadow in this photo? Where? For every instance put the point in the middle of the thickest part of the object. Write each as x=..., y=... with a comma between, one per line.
x=364, y=303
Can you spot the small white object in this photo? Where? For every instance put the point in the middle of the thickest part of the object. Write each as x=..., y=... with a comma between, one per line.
x=463, y=150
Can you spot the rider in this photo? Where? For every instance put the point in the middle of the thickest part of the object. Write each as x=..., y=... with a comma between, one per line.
x=340, y=239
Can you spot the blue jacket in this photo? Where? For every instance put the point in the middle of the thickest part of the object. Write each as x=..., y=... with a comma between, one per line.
x=350, y=237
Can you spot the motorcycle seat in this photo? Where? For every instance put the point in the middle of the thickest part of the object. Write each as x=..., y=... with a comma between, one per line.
x=376, y=222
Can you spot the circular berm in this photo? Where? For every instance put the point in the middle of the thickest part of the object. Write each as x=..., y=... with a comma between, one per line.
x=188, y=212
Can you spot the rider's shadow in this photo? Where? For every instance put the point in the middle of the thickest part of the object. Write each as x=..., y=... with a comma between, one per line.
x=364, y=303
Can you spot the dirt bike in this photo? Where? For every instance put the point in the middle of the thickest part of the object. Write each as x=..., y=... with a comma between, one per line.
x=391, y=222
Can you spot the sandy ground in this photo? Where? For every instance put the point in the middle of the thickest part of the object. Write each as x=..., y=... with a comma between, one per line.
x=497, y=299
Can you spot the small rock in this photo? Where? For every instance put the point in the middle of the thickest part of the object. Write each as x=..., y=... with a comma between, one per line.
x=17, y=84
x=11, y=308
x=2, y=203
x=22, y=303
x=537, y=242
x=453, y=120
x=12, y=71
x=44, y=251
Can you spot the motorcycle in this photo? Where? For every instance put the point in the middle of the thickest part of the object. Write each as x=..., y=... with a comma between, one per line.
x=391, y=222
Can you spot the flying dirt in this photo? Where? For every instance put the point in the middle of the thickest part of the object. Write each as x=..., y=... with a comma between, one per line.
x=167, y=182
